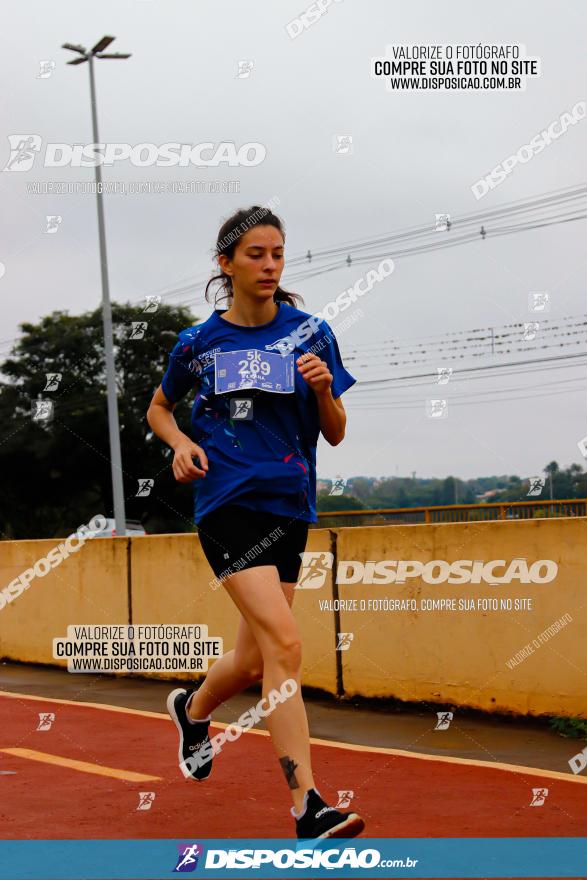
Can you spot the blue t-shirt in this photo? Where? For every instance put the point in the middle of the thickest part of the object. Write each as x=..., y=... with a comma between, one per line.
x=266, y=460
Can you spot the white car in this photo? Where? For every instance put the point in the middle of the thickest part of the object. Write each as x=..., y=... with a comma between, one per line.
x=109, y=531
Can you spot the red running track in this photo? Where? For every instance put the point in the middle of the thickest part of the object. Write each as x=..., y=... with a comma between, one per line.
x=398, y=794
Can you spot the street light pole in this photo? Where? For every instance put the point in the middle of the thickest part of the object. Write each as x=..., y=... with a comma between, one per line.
x=113, y=423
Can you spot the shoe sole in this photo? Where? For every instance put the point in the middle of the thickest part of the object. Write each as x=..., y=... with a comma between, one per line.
x=352, y=826
x=171, y=709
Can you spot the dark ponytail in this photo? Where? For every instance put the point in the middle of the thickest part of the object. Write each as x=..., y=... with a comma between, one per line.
x=228, y=237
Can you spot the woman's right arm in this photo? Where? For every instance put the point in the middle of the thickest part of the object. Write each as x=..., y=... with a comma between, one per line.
x=162, y=421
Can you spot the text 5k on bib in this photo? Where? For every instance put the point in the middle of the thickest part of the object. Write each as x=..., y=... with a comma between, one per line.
x=252, y=368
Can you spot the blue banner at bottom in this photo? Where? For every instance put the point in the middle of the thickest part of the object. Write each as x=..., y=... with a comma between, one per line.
x=456, y=857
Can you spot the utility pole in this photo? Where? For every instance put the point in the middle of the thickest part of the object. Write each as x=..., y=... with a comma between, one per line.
x=113, y=424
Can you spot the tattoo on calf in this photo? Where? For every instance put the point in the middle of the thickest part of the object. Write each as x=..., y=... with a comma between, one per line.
x=289, y=766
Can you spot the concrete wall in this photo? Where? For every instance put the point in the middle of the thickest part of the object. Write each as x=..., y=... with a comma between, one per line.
x=455, y=657
x=461, y=656
x=91, y=586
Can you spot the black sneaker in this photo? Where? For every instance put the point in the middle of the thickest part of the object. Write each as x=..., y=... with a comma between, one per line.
x=195, y=752
x=320, y=820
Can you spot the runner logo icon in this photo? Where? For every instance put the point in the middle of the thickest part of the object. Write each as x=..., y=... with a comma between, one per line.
x=315, y=565
x=46, y=719
x=189, y=854
x=344, y=799
x=23, y=151
x=539, y=796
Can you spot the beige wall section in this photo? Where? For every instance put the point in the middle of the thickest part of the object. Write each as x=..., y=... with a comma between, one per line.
x=461, y=656
x=172, y=582
x=317, y=627
x=89, y=587
x=434, y=656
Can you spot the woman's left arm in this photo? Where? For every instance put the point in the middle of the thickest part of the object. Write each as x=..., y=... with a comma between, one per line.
x=331, y=412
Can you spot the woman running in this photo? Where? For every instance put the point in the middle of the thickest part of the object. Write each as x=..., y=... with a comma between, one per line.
x=269, y=379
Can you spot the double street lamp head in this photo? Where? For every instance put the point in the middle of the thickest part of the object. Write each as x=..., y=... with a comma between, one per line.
x=96, y=52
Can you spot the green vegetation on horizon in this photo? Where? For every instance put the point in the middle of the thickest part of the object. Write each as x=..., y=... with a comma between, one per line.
x=393, y=492
x=56, y=476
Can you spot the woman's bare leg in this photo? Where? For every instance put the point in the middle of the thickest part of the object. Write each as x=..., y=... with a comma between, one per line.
x=234, y=671
x=229, y=675
x=258, y=594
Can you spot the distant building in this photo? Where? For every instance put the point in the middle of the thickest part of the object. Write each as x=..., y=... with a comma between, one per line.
x=486, y=496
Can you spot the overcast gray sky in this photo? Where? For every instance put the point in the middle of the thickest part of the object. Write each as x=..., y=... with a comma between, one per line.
x=414, y=154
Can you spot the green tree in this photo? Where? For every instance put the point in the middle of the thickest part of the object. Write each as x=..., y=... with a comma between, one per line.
x=57, y=474
x=568, y=482
x=326, y=502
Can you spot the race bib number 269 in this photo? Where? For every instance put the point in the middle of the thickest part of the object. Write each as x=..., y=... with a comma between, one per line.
x=252, y=368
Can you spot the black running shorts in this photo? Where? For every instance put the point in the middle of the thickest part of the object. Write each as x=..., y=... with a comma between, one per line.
x=234, y=538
